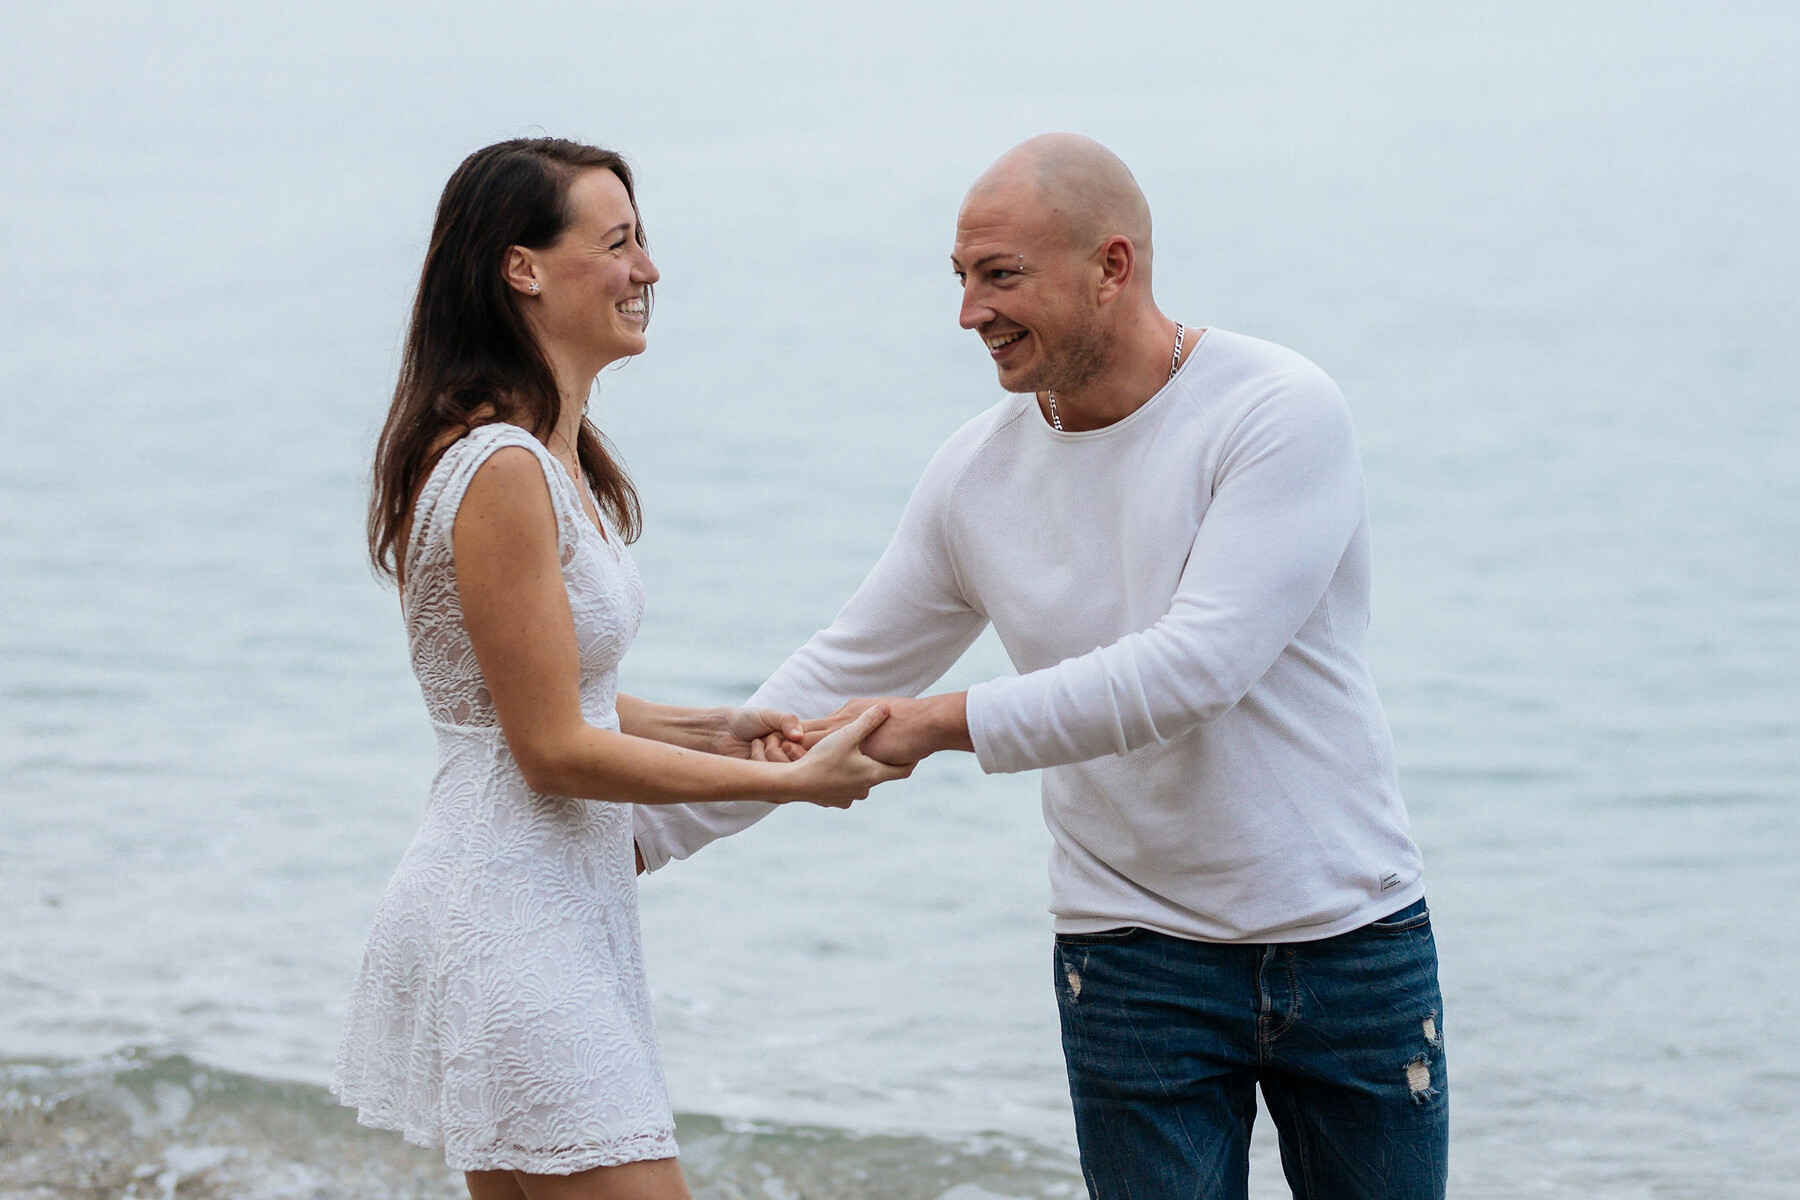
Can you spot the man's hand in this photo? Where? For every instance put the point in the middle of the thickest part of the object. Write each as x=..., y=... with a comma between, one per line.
x=913, y=730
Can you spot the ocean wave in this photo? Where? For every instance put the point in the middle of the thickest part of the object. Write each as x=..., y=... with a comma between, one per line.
x=146, y=1125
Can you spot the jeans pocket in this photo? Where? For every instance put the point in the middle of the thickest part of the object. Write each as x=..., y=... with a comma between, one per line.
x=1412, y=916
x=1102, y=937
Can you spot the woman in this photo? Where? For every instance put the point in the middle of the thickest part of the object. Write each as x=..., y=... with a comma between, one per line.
x=501, y=1011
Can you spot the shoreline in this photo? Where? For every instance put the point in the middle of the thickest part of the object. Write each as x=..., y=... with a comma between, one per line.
x=137, y=1127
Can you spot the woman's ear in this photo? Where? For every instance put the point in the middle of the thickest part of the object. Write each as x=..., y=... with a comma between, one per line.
x=521, y=271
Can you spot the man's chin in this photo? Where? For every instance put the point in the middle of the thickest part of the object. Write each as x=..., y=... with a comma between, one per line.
x=1018, y=382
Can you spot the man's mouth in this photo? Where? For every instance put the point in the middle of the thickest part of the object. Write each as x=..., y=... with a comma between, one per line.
x=1000, y=341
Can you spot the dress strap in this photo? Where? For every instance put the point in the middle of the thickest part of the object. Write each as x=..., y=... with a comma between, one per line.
x=434, y=518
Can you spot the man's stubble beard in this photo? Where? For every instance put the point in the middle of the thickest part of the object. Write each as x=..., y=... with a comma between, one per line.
x=1079, y=358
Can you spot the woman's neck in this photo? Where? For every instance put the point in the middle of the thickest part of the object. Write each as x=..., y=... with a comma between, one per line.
x=564, y=436
x=574, y=382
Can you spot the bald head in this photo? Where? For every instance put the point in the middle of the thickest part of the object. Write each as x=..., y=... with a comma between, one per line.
x=1052, y=255
x=1073, y=184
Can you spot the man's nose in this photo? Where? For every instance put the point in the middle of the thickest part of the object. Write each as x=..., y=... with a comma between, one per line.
x=975, y=312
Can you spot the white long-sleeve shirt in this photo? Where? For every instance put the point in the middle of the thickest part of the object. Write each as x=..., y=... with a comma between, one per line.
x=1184, y=594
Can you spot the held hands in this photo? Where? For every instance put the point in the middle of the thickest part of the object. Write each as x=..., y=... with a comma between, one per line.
x=760, y=734
x=913, y=730
x=835, y=773
x=837, y=770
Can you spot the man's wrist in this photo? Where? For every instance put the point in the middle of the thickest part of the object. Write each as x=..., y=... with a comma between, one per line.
x=947, y=719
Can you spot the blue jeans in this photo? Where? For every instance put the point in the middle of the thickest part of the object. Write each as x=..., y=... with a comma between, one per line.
x=1166, y=1040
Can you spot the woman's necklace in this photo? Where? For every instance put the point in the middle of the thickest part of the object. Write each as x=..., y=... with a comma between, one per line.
x=1174, y=364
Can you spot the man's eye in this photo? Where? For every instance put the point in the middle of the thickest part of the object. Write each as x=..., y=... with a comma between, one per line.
x=960, y=277
x=1001, y=275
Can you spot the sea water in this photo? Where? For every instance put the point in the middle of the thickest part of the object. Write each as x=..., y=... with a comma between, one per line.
x=1547, y=250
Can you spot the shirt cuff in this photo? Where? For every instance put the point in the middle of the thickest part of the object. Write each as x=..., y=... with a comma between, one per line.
x=645, y=832
x=980, y=712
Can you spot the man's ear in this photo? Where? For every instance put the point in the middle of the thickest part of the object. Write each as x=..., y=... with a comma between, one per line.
x=1116, y=261
x=521, y=271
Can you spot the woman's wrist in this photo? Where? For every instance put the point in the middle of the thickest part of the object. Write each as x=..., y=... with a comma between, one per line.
x=672, y=724
x=694, y=728
x=772, y=782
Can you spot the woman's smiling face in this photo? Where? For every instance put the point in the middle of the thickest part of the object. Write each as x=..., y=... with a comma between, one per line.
x=593, y=282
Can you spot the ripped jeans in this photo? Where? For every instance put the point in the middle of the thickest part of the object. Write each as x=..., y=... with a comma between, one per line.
x=1166, y=1040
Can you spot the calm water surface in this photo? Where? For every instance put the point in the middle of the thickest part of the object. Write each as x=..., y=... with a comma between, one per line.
x=1548, y=251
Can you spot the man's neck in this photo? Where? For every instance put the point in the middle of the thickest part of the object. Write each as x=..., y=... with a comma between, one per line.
x=1136, y=370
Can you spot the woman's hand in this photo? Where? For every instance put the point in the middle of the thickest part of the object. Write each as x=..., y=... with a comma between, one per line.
x=787, y=748
x=761, y=734
x=816, y=730
x=836, y=771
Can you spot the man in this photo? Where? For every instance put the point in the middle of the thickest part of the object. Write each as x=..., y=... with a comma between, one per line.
x=1168, y=528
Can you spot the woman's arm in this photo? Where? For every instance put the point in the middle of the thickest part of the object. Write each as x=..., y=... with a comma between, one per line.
x=726, y=730
x=516, y=610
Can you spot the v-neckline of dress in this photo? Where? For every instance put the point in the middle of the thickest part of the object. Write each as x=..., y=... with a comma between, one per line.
x=581, y=490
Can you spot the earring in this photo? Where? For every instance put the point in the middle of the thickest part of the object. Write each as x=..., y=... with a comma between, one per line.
x=534, y=288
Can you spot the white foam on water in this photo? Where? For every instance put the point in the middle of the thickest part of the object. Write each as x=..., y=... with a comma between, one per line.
x=82, y=1128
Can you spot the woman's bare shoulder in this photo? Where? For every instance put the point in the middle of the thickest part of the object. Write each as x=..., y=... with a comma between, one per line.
x=509, y=487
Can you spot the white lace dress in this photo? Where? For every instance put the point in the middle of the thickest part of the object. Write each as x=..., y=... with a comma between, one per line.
x=501, y=1010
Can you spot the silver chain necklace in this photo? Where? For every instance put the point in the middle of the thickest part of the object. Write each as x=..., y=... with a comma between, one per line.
x=1174, y=364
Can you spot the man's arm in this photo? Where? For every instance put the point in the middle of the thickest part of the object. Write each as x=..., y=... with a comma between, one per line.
x=1288, y=497
x=905, y=626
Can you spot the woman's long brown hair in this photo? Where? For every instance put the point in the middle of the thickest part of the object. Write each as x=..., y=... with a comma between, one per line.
x=471, y=358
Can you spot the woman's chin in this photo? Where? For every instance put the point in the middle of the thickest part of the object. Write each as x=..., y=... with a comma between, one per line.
x=624, y=346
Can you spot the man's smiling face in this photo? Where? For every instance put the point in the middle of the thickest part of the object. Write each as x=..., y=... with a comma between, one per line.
x=1026, y=290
